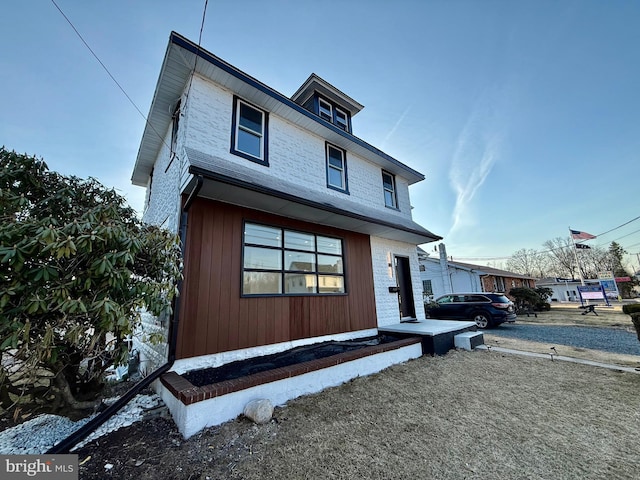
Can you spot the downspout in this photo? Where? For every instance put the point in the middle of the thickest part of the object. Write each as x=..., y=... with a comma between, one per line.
x=65, y=445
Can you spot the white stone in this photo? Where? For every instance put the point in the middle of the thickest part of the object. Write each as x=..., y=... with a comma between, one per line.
x=259, y=411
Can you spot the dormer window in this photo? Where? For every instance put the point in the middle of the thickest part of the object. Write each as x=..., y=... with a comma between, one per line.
x=332, y=113
x=341, y=119
x=325, y=110
x=327, y=102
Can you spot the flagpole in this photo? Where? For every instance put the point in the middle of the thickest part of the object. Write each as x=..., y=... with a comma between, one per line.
x=575, y=254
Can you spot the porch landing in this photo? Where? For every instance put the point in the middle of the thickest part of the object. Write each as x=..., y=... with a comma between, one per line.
x=437, y=335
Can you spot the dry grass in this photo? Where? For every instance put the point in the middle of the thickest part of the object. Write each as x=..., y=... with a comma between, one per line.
x=471, y=415
x=465, y=415
x=572, y=315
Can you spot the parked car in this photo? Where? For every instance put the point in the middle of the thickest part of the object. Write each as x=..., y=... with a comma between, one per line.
x=486, y=309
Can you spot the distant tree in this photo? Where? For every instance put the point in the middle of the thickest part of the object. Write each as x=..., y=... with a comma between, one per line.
x=560, y=251
x=76, y=267
x=616, y=257
x=528, y=262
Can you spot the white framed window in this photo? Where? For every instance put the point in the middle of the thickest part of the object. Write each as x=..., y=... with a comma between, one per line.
x=249, y=133
x=336, y=168
x=389, y=187
x=325, y=110
x=342, y=119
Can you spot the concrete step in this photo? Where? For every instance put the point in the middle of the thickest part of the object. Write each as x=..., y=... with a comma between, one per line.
x=468, y=340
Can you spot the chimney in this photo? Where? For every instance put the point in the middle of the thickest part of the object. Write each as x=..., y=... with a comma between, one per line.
x=444, y=269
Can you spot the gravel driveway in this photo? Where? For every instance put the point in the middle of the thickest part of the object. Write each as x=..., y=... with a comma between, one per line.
x=613, y=340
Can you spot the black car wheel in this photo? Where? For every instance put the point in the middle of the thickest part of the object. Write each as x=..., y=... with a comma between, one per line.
x=482, y=319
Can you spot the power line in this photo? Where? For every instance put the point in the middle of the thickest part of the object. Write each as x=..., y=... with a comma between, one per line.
x=109, y=73
x=619, y=226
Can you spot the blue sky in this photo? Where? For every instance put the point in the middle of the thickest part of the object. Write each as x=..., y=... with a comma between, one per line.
x=524, y=116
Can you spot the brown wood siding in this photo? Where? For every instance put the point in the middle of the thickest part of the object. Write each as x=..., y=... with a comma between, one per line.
x=215, y=318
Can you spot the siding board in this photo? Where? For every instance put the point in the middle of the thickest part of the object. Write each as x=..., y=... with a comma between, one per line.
x=215, y=318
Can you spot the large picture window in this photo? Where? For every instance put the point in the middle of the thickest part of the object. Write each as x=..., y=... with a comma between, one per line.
x=277, y=261
x=249, y=132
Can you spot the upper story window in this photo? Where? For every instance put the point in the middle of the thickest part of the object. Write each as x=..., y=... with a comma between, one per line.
x=389, y=186
x=336, y=168
x=325, y=110
x=333, y=114
x=249, y=132
x=175, y=118
x=341, y=119
x=287, y=262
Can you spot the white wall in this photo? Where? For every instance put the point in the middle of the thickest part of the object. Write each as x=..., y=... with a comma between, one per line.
x=384, y=276
x=295, y=154
x=162, y=205
x=461, y=280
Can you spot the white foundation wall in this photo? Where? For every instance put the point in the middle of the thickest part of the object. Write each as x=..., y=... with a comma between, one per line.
x=190, y=419
x=295, y=155
x=384, y=276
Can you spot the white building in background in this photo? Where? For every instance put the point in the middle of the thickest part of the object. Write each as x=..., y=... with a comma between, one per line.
x=441, y=276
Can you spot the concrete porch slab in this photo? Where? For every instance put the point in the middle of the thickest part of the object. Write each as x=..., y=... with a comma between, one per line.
x=437, y=335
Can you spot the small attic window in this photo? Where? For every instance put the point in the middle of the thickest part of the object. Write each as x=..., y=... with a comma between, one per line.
x=325, y=110
x=341, y=119
x=332, y=113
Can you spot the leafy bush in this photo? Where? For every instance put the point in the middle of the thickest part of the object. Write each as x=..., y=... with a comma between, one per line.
x=635, y=319
x=76, y=267
x=631, y=308
x=526, y=298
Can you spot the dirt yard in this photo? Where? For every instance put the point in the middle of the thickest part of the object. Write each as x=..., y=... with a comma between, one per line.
x=466, y=415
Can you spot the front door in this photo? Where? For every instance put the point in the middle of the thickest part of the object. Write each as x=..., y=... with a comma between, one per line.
x=405, y=294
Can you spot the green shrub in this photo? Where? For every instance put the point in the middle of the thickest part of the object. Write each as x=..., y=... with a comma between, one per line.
x=635, y=318
x=631, y=308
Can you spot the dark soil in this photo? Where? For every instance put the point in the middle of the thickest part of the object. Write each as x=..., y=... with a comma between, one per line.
x=242, y=368
x=154, y=449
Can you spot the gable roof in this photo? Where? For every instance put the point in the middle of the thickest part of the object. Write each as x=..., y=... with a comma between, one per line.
x=496, y=272
x=481, y=270
x=183, y=56
x=316, y=84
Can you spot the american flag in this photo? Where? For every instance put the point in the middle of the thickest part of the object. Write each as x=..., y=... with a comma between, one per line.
x=578, y=235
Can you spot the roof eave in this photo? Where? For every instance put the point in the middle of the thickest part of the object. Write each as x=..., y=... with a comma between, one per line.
x=178, y=56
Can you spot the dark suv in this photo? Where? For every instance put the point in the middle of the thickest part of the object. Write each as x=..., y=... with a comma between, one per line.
x=486, y=309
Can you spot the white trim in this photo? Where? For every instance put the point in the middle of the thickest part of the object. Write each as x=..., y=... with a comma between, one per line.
x=343, y=176
x=250, y=131
x=339, y=123
x=325, y=109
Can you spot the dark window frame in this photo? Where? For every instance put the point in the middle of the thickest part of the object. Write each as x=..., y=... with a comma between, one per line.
x=393, y=191
x=235, y=126
x=283, y=271
x=328, y=167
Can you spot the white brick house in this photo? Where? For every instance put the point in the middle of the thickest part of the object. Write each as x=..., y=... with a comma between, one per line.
x=294, y=230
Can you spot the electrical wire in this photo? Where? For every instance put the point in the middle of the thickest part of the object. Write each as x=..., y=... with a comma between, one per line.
x=619, y=226
x=109, y=73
